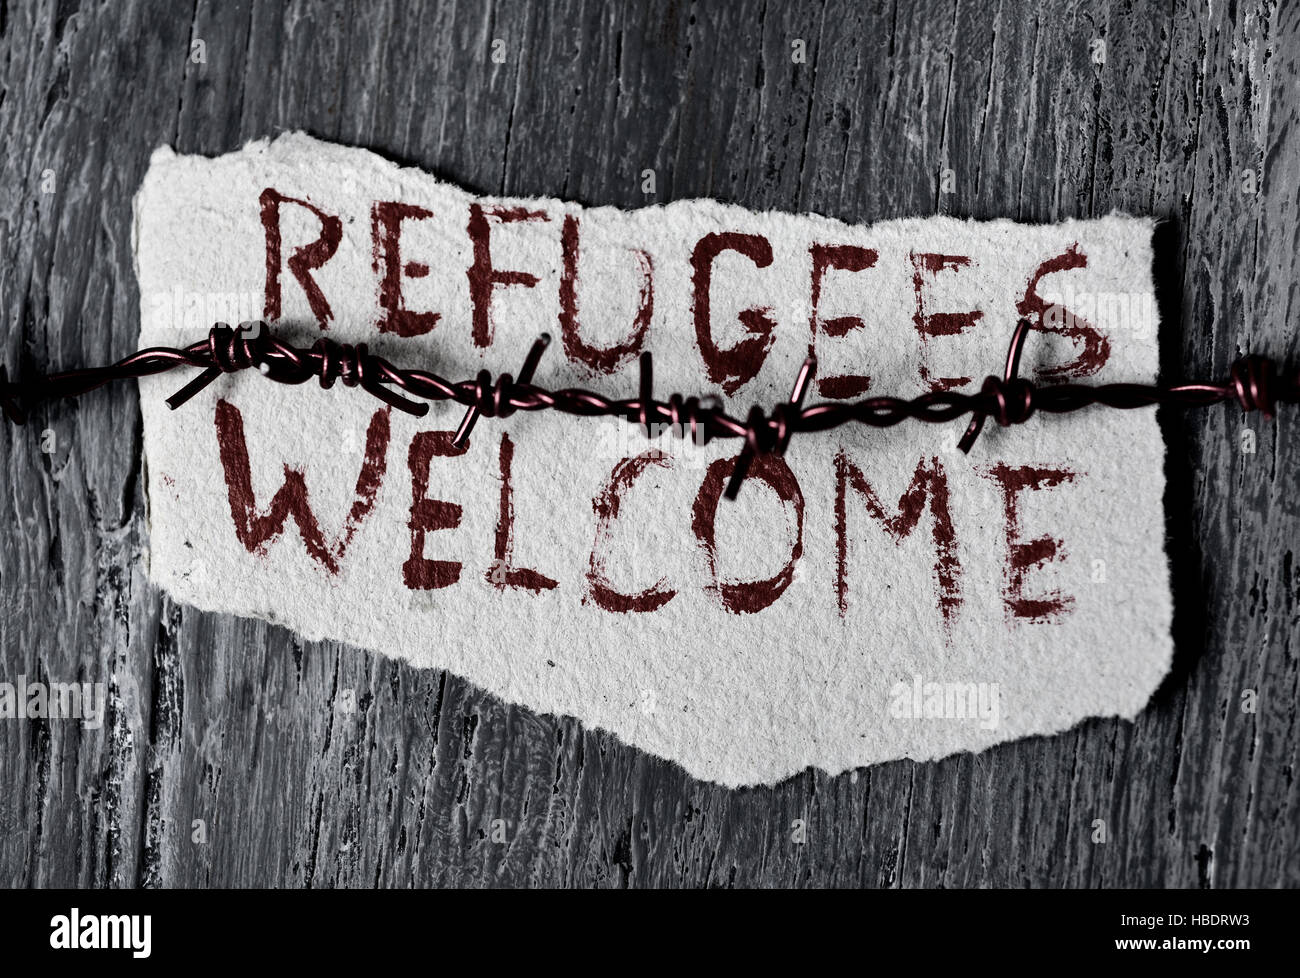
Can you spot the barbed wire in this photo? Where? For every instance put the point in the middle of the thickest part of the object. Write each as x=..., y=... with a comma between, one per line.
x=1254, y=382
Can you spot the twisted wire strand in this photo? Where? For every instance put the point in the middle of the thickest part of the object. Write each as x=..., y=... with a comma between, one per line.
x=1254, y=382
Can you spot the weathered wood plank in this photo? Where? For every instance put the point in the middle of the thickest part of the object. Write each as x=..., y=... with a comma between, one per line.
x=316, y=764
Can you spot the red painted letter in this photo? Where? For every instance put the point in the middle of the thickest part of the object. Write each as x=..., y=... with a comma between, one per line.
x=747, y=597
x=427, y=515
x=1024, y=555
x=503, y=574
x=256, y=530
x=483, y=277
x=1096, y=348
x=386, y=218
x=603, y=359
x=738, y=365
x=303, y=260
x=606, y=506
x=930, y=480
x=938, y=323
x=847, y=258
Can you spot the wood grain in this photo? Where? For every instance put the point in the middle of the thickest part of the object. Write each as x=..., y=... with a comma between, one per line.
x=242, y=725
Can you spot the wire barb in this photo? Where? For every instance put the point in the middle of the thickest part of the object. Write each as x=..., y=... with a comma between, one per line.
x=764, y=435
x=1011, y=398
x=494, y=401
x=1254, y=383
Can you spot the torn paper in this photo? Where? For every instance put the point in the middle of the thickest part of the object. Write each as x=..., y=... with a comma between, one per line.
x=875, y=594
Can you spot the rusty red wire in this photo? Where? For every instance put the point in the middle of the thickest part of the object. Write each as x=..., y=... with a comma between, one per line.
x=1254, y=382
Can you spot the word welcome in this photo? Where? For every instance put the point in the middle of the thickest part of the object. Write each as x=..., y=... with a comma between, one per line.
x=432, y=514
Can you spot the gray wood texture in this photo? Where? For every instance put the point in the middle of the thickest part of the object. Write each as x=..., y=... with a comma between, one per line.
x=245, y=727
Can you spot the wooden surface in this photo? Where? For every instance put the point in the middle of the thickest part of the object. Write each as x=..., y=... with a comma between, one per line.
x=243, y=726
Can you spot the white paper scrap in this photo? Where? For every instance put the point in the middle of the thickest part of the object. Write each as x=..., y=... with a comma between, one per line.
x=875, y=594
